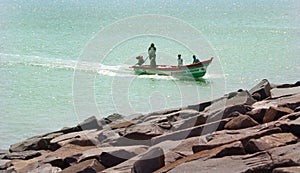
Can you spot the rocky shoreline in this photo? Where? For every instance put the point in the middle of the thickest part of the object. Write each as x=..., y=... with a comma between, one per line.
x=244, y=131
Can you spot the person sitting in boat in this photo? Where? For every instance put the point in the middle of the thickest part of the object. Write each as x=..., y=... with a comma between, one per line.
x=195, y=59
x=140, y=60
x=179, y=60
x=152, y=55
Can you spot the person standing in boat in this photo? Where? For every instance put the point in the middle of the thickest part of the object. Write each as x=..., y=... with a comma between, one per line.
x=179, y=60
x=195, y=59
x=152, y=55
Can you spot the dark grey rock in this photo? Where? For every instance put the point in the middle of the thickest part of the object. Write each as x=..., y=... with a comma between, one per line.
x=261, y=91
x=90, y=123
x=291, y=126
x=112, y=156
x=35, y=143
x=199, y=107
x=191, y=132
x=150, y=161
x=290, y=169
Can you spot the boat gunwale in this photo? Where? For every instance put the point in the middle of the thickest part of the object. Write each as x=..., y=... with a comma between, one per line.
x=167, y=67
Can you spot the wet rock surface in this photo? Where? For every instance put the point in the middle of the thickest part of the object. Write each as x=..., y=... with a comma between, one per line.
x=244, y=131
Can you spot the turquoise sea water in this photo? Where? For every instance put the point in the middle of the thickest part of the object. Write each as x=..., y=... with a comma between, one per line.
x=42, y=43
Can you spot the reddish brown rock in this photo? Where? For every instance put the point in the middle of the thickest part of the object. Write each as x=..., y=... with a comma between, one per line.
x=223, y=137
x=257, y=114
x=150, y=161
x=258, y=162
x=247, y=163
x=122, y=125
x=270, y=141
x=92, y=165
x=274, y=113
x=235, y=148
x=66, y=155
x=240, y=122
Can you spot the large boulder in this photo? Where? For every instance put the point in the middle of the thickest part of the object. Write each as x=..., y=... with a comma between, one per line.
x=35, y=143
x=291, y=169
x=4, y=164
x=291, y=126
x=66, y=155
x=223, y=137
x=281, y=92
x=234, y=100
x=46, y=168
x=90, y=123
x=200, y=119
x=257, y=114
x=199, y=107
x=82, y=138
x=150, y=161
x=191, y=132
x=227, y=112
x=91, y=166
x=270, y=141
x=23, y=155
x=288, y=155
x=112, y=156
x=111, y=118
x=261, y=91
x=240, y=122
x=140, y=134
x=274, y=113
x=291, y=101
x=235, y=148
x=247, y=163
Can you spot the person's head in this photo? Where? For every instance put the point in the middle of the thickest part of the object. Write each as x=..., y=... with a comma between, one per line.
x=194, y=56
x=152, y=45
x=139, y=57
x=179, y=56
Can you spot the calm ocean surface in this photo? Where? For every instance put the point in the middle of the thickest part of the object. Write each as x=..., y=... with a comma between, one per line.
x=41, y=43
